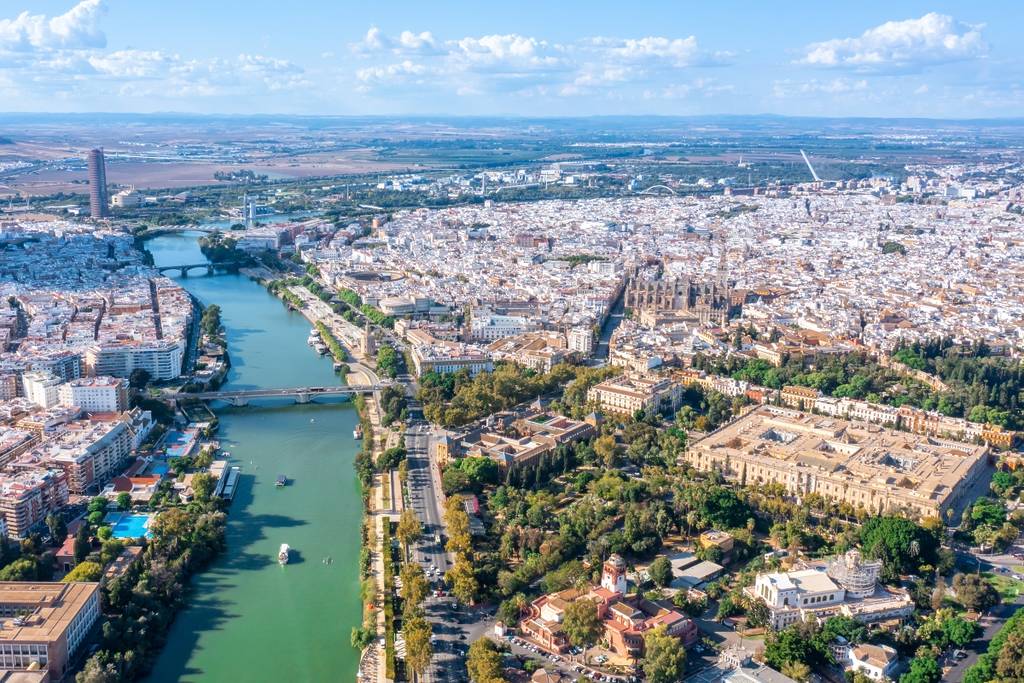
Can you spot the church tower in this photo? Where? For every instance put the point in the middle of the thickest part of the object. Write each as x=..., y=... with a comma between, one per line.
x=366, y=343
x=613, y=575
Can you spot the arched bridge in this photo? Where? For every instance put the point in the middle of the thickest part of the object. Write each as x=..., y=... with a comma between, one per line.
x=209, y=267
x=659, y=190
x=242, y=397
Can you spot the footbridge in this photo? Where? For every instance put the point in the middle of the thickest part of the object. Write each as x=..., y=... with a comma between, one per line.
x=242, y=397
x=209, y=267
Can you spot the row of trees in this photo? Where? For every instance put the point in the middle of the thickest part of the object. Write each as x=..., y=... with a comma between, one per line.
x=210, y=322
x=335, y=347
x=219, y=248
x=457, y=398
x=279, y=288
x=1004, y=658
x=364, y=464
x=392, y=404
x=461, y=577
x=388, y=361
x=981, y=388
x=415, y=627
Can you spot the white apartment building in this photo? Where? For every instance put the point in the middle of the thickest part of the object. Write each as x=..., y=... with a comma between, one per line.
x=444, y=359
x=488, y=327
x=8, y=386
x=96, y=394
x=41, y=388
x=581, y=340
x=89, y=453
x=161, y=359
x=27, y=496
x=63, y=364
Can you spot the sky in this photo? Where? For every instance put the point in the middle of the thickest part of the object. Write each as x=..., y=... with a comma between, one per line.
x=523, y=58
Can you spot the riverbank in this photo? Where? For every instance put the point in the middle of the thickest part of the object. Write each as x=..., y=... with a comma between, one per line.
x=249, y=618
x=382, y=505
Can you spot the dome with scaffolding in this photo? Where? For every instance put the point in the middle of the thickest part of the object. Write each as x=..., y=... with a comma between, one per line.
x=855, y=574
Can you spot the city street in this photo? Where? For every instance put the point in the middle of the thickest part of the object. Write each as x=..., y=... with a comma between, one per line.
x=424, y=488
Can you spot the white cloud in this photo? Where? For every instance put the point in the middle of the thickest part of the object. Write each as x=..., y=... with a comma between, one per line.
x=700, y=87
x=503, y=52
x=391, y=73
x=676, y=51
x=526, y=65
x=246, y=73
x=373, y=41
x=931, y=39
x=152, y=74
x=78, y=28
x=784, y=89
x=407, y=43
x=131, y=64
x=418, y=43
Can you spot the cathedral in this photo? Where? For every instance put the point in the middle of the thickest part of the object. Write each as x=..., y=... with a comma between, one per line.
x=711, y=303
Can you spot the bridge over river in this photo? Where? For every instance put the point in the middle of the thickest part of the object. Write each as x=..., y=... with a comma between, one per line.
x=209, y=266
x=241, y=397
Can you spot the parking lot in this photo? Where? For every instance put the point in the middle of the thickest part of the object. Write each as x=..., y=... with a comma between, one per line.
x=567, y=664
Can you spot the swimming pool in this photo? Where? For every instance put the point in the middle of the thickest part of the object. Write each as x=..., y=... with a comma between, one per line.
x=126, y=525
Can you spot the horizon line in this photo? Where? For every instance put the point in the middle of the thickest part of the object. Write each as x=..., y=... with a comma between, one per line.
x=1019, y=119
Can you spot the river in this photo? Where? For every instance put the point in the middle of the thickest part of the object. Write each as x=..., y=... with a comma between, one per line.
x=247, y=618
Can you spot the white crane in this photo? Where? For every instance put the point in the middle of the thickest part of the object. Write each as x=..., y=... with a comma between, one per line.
x=809, y=167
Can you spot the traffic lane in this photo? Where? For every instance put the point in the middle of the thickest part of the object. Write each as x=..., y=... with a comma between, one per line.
x=448, y=639
x=991, y=624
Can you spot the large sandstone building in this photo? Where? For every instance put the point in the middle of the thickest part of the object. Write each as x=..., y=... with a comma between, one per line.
x=867, y=466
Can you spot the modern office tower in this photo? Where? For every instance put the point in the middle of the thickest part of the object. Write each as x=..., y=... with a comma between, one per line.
x=98, y=207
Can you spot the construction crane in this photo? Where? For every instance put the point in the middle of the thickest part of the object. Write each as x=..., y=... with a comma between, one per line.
x=809, y=167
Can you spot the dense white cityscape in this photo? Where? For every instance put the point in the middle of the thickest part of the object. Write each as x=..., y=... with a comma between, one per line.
x=657, y=287
x=537, y=343
x=816, y=265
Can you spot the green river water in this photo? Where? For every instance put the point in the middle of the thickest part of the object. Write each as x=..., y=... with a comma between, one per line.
x=249, y=619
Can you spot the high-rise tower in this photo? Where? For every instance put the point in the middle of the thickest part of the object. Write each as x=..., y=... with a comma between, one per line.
x=98, y=206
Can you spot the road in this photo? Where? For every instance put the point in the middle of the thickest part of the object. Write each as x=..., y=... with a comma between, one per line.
x=311, y=392
x=615, y=318
x=990, y=623
x=424, y=485
x=346, y=333
x=1004, y=564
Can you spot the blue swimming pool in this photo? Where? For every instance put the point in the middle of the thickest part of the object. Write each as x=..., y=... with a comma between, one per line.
x=126, y=525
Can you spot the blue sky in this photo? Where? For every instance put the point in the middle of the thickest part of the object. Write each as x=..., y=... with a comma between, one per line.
x=865, y=58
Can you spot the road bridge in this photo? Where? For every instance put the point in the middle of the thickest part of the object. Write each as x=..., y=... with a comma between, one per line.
x=242, y=397
x=209, y=266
